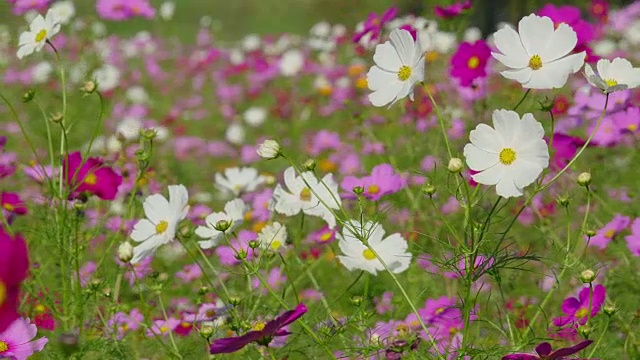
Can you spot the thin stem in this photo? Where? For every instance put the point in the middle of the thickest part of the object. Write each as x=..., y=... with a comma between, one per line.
x=443, y=128
x=595, y=347
x=166, y=318
x=522, y=99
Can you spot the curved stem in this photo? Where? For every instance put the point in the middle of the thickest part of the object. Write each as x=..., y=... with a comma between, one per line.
x=604, y=331
x=440, y=120
x=522, y=99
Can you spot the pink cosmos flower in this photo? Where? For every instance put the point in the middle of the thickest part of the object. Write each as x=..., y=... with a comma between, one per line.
x=275, y=279
x=565, y=148
x=470, y=62
x=162, y=327
x=544, y=352
x=599, y=9
x=189, y=273
x=12, y=203
x=92, y=177
x=14, y=267
x=382, y=181
x=604, y=236
x=119, y=10
x=571, y=16
x=228, y=254
x=374, y=24
x=206, y=312
x=16, y=341
x=451, y=11
x=325, y=235
x=122, y=323
x=22, y=6
x=633, y=239
x=577, y=309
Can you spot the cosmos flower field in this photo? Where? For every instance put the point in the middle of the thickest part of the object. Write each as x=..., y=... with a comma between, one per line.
x=405, y=187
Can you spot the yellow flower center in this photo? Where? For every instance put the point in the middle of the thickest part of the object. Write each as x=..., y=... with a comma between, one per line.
x=275, y=244
x=582, y=312
x=3, y=346
x=41, y=35
x=8, y=207
x=609, y=233
x=185, y=324
x=361, y=83
x=39, y=308
x=535, y=62
x=431, y=56
x=507, y=156
x=373, y=189
x=3, y=293
x=325, y=90
x=305, y=194
x=439, y=310
x=162, y=227
x=258, y=326
x=453, y=330
x=91, y=179
x=473, y=62
x=248, y=216
x=632, y=127
x=326, y=236
x=611, y=82
x=164, y=329
x=404, y=73
x=368, y=254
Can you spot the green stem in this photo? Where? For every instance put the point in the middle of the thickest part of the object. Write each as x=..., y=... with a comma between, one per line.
x=595, y=347
x=443, y=127
x=522, y=99
x=166, y=318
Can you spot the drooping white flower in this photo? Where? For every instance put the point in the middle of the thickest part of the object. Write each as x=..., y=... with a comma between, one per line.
x=63, y=11
x=162, y=218
x=301, y=197
x=41, y=29
x=269, y=149
x=239, y=180
x=220, y=222
x=614, y=75
x=511, y=155
x=538, y=54
x=273, y=236
x=255, y=116
x=399, y=66
x=356, y=256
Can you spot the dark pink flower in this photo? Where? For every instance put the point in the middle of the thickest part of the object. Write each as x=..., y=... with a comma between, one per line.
x=470, y=62
x=262, y=333
x=119, y=10
x=374, y=25
x=565, y=148
x=451, y=11
x=544, y=352
x=633, y=239
x=91, y=177
x=14, y=267
x=22, y=6
x=599, y=9
x=577, y=310
x=571, y=16
x=12, y=203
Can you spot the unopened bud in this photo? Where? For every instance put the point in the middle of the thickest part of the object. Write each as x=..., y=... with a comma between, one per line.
x=57, y=117
x=610, y=309
x=125, y=252
x=254, y=244
x=310, y=164
x=358, y=190
x=356, y=300
x=547, y=104
x=590, y=233
x=222, y=225
x=455, y=165
x=94, y=284
x=584, y=179
x=429, y=189
x=148, y=134
x=203, y=290
x=585, y=330
x=563, y=200
x=28, y=96
x=587, y=276
x=89, y=87
x=234, y=300
x=269, y=149
x=142, y=156
x=241, y=254
x=206, y=331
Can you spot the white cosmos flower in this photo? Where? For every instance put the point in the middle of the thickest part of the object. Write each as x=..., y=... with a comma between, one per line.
x=291, y=62
x=301, y=198
x=255, y=116
x=41, y=72
x=356, y=256
x=63, y=11
x=233, y=215
x=538, y=54
x=273, y=236
x=41, y=29
x=614, y=75
x=239, y=180
x=167, y=9
x=107, y=77
x=235, y=134
x=399, y=66
x=162, y=218
x=511, y=155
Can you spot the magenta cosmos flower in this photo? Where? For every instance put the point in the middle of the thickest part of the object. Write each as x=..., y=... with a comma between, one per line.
x=544, y=352
x=382, y=181
x=262, y=333
x=12, y=203
x=571, y=16
x=374, y=25
x=604, y=236
x=91, y=177
x=119, y=10
x=15, y=342
x=470, y=62
x=22, y=6
x=14, y=266
x=451, y=11
x=577, y=310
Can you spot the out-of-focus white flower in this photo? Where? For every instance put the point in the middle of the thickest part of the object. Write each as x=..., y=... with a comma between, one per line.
x=41, y=72
x=98, y=29
x=233, y=216
x=614, y=75
x=107, y=77
x=167, y=9
x=472, y=34
x=269, y=149
x=129, y=128
x=137, y=95
x=63, y=11
x=291, y=62
x=41, y=29
x=235, y=134
x=251, y=43
x=511, y=155
x=399, y=66
x=237, y=181
x=604, y=47
x=255, y=116
x=273, y=236
x=538, y=54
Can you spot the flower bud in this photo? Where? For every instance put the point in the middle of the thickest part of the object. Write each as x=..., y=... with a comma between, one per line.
x=148, y=134
x=309, y=165
x=590, y=233
x=358, y=190
x=89, y=87
x=206, y=331
x=610, y=309
x=234, y=300
x=203, y=290
x=222, y=225
x=269, y=149
x=28, y=96
x=563, y=200
x=455, y=165
x=356, y=300
x=254, y=244
x=57, y=117
x=429, y=189
x=241, y=254
x=125, y=252
x=587, y=276
x=584, y=179
x=547, y=104
x=585, y=330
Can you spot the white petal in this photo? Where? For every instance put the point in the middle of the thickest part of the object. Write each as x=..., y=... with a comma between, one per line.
x=522, y=76
x=490, y=176
x=506, y=187
x=477, y=159
x=156, y=208
x=535, y=32
x=377, y=78
x=559, y=44
x=484, y=138
x=508, y=43
x=387, y=58
x=143, y=230
x=404, y=44
x=524, y=173
x=385, y=95
x=554, y=74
